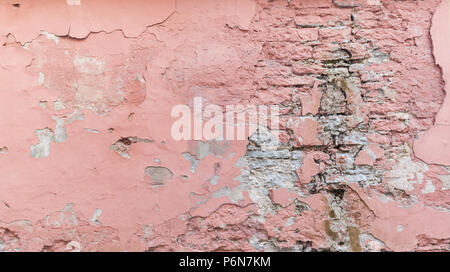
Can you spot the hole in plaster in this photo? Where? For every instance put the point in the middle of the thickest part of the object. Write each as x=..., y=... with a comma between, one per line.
x=157, y=175
x=4, y=150
x=122, y=146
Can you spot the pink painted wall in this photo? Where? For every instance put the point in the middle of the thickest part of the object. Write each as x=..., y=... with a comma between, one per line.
x=88, y=161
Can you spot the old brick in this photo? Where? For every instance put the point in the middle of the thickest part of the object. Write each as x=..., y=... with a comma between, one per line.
x=308, y=34
x=291, y=81
x=336, y=34
x=307, y=68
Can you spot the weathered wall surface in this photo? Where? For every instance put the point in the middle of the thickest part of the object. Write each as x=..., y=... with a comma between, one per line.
x=87, y=160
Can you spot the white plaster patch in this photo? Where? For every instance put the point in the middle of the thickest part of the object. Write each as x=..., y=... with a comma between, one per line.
x=234, y=194
x=370, y=243
x=429, y=188
x=88, y=65
x=140, y=78
x=290, y=221
x=73, y=246
x=50, y=36
x=60, y=135
x=406, y=173
x=94, y=218
x=73, y=2
x=445, y=182
x=374, y=2
x=92, y=130
x=43, y=104
x=58, y=105
x=42, y=149
x=401, y=115
x=41, y=78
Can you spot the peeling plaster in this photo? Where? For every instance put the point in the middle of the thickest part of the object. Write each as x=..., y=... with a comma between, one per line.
x=434, y=144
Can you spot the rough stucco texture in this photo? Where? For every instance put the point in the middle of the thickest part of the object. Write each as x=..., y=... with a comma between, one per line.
x=87, y=161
